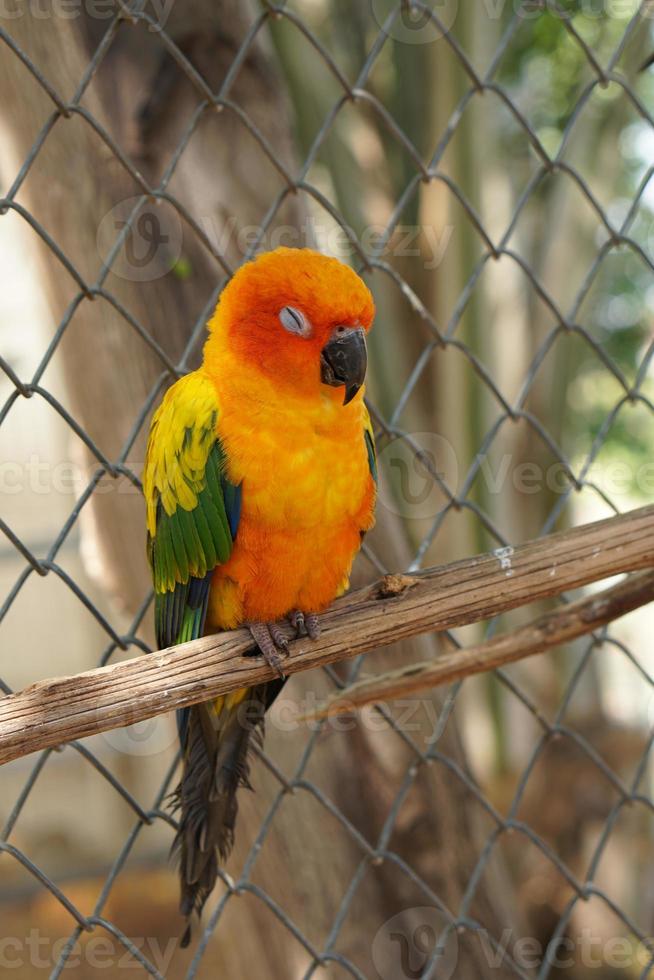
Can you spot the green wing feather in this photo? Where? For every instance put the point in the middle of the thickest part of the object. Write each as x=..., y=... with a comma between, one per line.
x=192, y=507
x=369, y=438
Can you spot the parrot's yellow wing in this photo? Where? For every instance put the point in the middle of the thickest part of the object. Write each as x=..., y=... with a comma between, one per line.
x=192, y=508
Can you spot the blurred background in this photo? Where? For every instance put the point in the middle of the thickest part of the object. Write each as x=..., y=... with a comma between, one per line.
x=488, y=169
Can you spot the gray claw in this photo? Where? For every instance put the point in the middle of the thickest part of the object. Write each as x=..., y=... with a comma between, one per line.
x=270, y=639
x=305, y=623
x=278, y=637
x=312, y=626
x=297, y=621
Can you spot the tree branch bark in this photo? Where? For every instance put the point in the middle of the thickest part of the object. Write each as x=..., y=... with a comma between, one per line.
x=551, y=630
x=52, y=712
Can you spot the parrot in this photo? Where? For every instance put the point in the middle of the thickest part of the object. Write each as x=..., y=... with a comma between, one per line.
x=260, y=482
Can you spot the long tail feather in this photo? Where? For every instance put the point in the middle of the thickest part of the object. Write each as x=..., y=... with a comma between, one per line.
x=215, y=739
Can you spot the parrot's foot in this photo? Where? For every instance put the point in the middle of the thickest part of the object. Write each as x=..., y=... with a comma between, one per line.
x=305, y=623
x=271, y=640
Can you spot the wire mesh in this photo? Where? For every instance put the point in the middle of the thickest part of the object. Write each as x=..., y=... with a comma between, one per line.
x=568, y=318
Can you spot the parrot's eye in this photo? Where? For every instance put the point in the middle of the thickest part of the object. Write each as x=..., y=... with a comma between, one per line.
x=294, y=321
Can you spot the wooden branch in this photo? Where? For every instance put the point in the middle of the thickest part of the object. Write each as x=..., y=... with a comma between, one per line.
x=55, y=711
x=550, y=630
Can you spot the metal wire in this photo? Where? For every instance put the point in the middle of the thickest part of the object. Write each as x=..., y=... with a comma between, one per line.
x=566, y=320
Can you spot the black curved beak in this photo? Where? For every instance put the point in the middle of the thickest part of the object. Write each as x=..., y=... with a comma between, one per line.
x=344, y=359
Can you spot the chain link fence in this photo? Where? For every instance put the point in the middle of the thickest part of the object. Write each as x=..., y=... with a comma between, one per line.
x=528, y=334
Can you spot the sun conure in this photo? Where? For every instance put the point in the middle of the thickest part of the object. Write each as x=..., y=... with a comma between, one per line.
x=259, y=484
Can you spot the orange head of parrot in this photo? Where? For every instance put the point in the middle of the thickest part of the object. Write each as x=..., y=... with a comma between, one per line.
x=299, y=318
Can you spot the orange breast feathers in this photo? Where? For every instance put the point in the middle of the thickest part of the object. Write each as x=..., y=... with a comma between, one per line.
x=307, y=495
